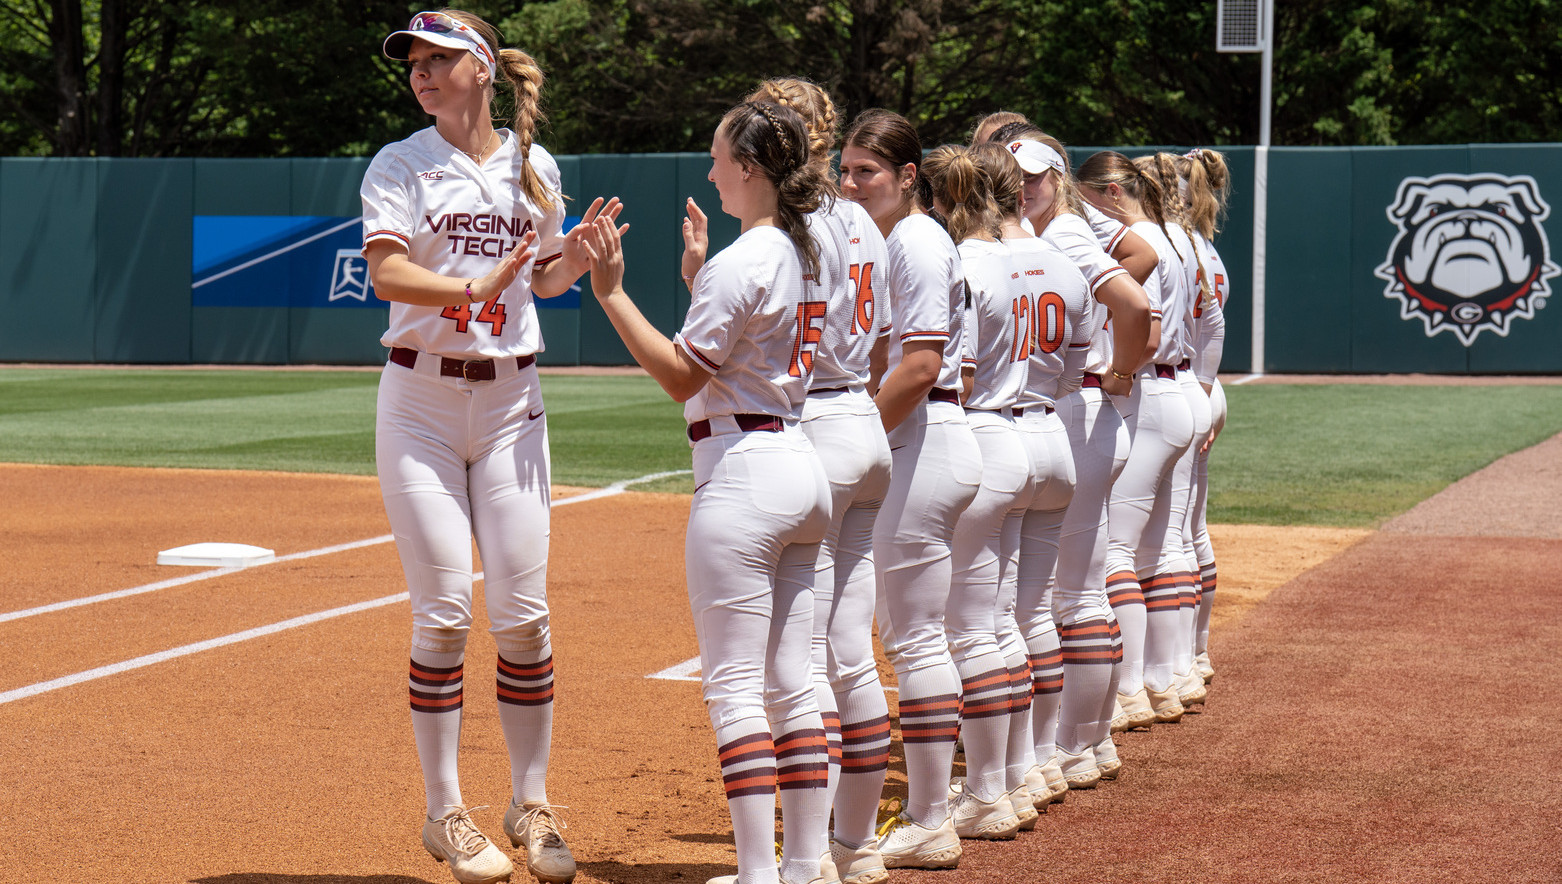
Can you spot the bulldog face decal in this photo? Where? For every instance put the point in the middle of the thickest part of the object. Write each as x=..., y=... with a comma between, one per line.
x=1470, y=254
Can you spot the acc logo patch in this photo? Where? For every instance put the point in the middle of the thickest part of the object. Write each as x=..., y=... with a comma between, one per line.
x=1470, y=254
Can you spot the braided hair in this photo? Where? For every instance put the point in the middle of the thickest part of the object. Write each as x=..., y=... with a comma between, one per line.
x=525, y=79
x=772, y=140
x=1163, y=168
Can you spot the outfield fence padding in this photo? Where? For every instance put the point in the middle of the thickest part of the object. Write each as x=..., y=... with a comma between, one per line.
x=254, y=261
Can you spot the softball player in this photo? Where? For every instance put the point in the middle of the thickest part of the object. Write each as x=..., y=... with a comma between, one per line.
x=741, y=365
x=936, y=467
x=1099, y=443
x=1056, y=302
x=1206, y=181
x=1169, y=641
x=987, y=534
x=454, y=220
x=843, y=424
x=1126, y=248
x=1161, y=426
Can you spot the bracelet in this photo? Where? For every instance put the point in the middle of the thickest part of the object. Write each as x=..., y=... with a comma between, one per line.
x=471, y=297
x=1119, y=375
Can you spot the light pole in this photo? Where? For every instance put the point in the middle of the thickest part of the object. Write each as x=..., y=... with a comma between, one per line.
x=1247, y=26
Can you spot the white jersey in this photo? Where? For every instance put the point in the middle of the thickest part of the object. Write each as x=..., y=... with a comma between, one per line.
x=1209, y=319
x=853, y=261
x=1073, y=236
x=1109, y=232
x=459, y=218
x=998, y=329
x=927, y=293
x=1190, y=278
x=1167, y=289
x=751, y=325
x=1062, y=319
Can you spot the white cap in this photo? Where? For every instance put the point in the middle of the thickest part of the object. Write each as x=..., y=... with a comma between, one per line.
x=1035, y=157
x=441, y=30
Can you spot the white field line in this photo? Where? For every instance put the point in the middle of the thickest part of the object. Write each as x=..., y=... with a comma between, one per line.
x=259, y=631
x=1247, y=379
x=609, y=491
x=688, y=670
x=188, y=578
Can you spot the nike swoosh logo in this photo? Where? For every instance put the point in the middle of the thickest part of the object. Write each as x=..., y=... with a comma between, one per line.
x=534, y=415
x=897, y=447
x=701, y=485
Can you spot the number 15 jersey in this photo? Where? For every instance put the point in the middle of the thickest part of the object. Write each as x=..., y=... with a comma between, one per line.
x=754, y=323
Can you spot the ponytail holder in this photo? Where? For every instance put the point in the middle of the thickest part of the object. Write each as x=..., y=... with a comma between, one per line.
x=1194, y=154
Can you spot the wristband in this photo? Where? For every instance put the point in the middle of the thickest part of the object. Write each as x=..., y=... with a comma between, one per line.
x=471, y=297
x=1119, y=375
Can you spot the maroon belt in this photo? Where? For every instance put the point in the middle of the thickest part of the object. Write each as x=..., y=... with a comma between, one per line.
x=1184, y=365
x=1091, y=380
x=1165, y=372
x=471, y=369
x=939, y=394
x=822, y=390
x=748, y=423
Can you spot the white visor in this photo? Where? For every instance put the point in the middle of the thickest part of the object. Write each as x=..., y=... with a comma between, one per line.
x=441, y=30
x=1035, y=157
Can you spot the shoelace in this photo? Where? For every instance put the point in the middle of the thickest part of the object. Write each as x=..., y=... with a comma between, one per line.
x=893, y=818
x=462, y=833
x=544, y=816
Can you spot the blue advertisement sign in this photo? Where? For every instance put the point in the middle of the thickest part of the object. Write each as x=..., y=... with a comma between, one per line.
x=292, y=261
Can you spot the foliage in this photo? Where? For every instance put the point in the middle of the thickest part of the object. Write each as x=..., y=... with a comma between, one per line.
x=278, y=78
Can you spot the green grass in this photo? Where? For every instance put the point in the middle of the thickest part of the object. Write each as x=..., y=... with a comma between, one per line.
x=1341, y=455
x=601, y=429
x=1355, y=455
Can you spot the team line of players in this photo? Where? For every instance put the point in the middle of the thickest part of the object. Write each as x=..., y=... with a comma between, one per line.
x=971, y=400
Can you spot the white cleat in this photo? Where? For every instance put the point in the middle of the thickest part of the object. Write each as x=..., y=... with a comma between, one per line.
x=455, y=839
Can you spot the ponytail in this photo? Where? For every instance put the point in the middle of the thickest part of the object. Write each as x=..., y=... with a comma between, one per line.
x=965, y=191
x=1209, y=184
x=525, y=79
x=1110, y=167
x=1003, y=175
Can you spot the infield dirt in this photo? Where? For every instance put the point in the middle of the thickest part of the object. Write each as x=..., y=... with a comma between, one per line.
x=1357, y=730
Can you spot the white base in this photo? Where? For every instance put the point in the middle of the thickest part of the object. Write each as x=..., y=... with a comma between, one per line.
x=216, y=555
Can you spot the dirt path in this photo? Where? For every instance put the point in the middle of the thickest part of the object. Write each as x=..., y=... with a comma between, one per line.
x=287, y=758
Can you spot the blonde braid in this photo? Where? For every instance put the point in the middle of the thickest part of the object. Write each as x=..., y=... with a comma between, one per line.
x=526, y=78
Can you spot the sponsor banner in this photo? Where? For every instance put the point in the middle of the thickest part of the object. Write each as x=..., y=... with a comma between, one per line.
x=293, y=261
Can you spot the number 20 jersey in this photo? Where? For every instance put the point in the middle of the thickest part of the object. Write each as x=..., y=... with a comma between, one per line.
x=458, y=219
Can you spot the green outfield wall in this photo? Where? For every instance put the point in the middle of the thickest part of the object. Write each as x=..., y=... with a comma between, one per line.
x=1409, y=259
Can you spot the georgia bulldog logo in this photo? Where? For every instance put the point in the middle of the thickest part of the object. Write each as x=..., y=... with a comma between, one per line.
x=1470, y=254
